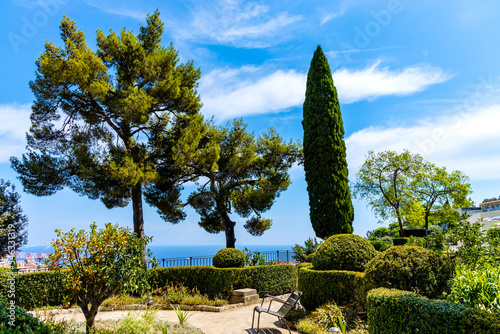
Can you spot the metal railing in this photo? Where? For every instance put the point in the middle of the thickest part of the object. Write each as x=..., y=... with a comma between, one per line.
x=276, y=256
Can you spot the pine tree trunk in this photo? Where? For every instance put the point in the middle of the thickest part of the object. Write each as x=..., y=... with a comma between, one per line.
x=229, y=229
x=138, y=217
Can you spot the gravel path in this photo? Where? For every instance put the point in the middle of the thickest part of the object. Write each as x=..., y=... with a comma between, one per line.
x=238, y=321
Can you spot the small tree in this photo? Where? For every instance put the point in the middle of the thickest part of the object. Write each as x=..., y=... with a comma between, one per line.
x=13, y=223
x=96, y=264
x=325, y=164
x=232, y=169
x=384, y=182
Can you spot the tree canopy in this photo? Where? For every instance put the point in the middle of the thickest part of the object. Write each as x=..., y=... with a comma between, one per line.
x=98, y=115
x=232, y=170
x=407, y=188
x=13, y=222
x=325, y=164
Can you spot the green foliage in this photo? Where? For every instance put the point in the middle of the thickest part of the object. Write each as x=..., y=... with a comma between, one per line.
x=39, y=289
x=381, y=232
x=229, y=258
x=378, y=244
x=493, y=236
x=15, y=320
x=95, y=265
x=403, y=312
x=407, y=188
x=343, y=252
x=220, y=282
x=416, y=241
x=323, y=286
x=325, y=161
x=301, y=253
x=411, y=268
x=237, y=170
x=183, y=316
x=254, y=259
x=385, y=246
x=399, y=241
x=13, y=233
x=479, y=288
x=473, y=249
x=94, y=109
x=180, y=295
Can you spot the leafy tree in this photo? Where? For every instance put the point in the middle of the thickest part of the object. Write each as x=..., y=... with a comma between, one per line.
x=96, y=264
x=381, y=232
x=434, y=188
x=13, y=223
x=302, y=252
x=232, y=169
x=325, y=162
x=384, y=181
x=98, y=115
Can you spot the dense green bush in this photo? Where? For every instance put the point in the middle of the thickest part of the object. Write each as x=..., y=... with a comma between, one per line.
x=403, y=312
x=16, y=320
x=378, y=244
x=37, y=289
x=229, y=258
x=343, y=252
x=411, y=268
x=399, y=241
x=220, y=282
x=323, y=286
x=478, y=288
x=385, y=247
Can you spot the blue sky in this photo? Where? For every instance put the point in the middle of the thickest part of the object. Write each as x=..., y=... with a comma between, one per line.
x=418, y=75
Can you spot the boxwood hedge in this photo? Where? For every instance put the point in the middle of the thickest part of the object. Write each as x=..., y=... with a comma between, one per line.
x=404, y=312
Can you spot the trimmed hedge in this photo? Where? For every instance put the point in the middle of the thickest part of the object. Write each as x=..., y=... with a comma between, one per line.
x=396, y=311
x=411, y=268
x=37, y=289
x=324, y=286
x=220, y=282
x=343, y=252
x=400, y=241
x=229, y=258
x=378, y=244
x=15, y=320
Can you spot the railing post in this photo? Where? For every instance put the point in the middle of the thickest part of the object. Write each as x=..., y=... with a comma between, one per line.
x=278, y=256
x=190, y=261
x=287, y=260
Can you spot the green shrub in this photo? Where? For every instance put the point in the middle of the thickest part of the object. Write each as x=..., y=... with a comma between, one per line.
x=478, y=288
x=16, y=320
x=385, y=247
x=220, y=282
x=343, y=252
x=399, y=241
x=416, y=241
x=411, y=268
x=229, y=258
x=303, y=254
x=378, y=244
x=403, y=312
x=345, y=288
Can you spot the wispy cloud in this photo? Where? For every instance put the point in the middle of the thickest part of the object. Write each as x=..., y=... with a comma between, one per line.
x=250, y=90
x=373, y=81
x=334, y=53
x=118, y=10
x=329, y=16
x=235, y=23
x=13, y=127
x=466, y=141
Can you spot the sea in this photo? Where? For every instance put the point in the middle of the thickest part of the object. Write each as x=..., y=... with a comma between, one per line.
x=174, y=251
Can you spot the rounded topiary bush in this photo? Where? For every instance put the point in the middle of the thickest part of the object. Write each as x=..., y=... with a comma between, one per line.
x=411, y=268
x=343, y=252
x=229, y=258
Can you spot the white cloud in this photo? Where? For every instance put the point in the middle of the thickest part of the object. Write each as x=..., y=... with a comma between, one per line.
x=230, y=22
x=240, y=92
x=250, y=90
x=119, y=10
x=373, y=82
x=466, y=141
x=13, y=127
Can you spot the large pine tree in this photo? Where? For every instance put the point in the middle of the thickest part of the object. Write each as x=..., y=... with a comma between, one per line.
x=325, y=162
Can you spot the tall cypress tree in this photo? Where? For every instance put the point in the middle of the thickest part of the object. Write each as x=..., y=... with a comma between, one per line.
x=330, y=206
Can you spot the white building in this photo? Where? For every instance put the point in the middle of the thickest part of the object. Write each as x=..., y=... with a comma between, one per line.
x=488, y=212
